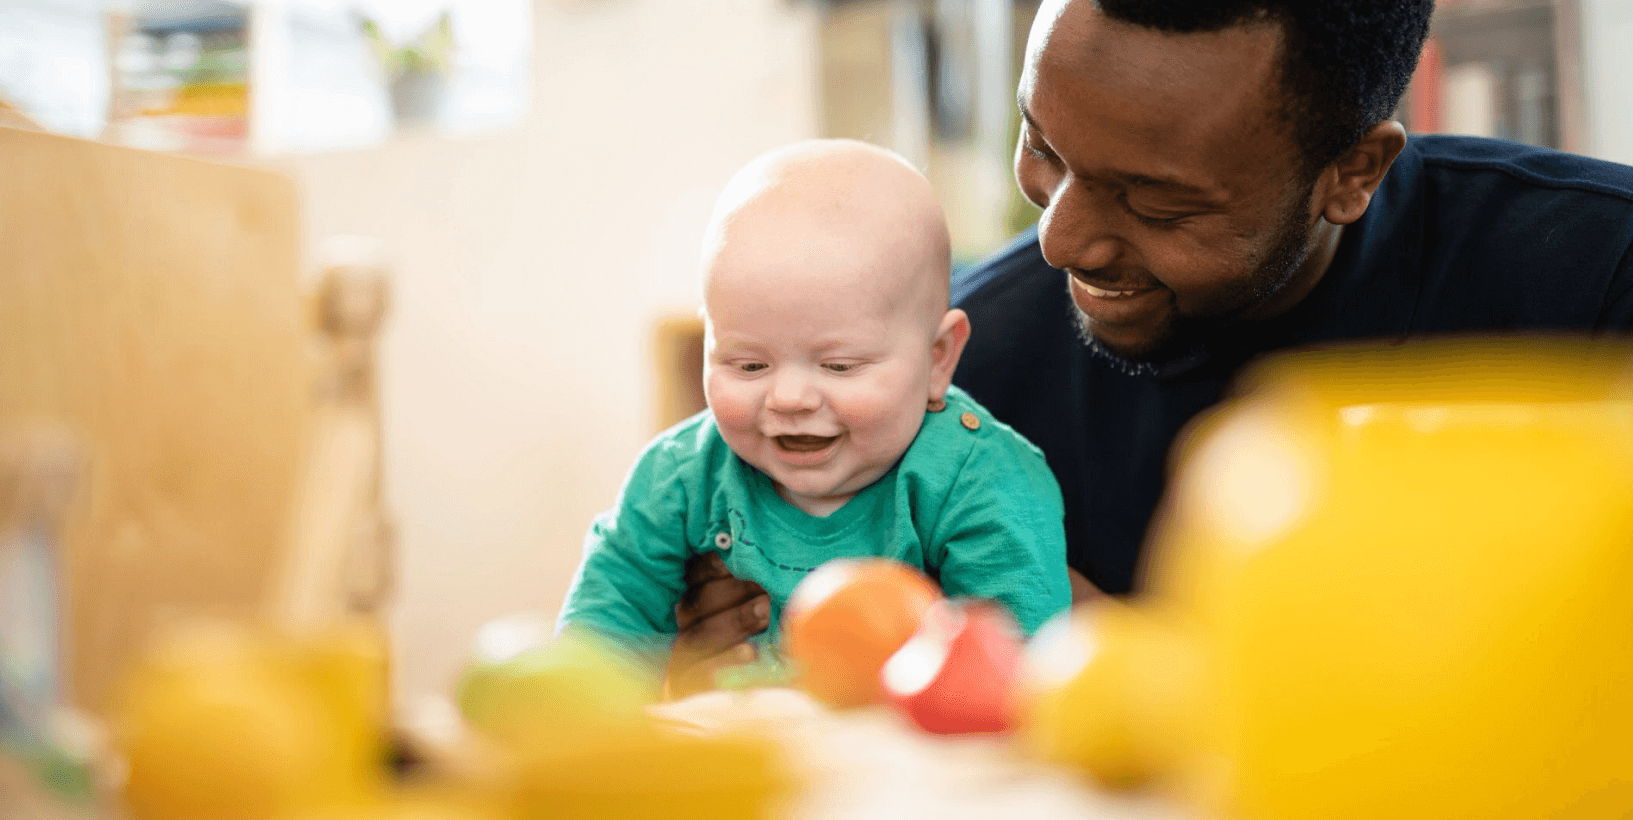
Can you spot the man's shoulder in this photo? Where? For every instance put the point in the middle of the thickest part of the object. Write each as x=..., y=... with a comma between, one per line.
x=1023, y=337
x=1469, y=234
x=1013, y=298
x=1530, y=220
x=1524, y=166
x=1017, y=263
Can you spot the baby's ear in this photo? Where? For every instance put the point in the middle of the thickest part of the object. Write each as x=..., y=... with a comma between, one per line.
x=945, y=350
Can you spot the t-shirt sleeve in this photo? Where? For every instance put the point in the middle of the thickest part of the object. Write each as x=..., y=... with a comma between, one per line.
x=1002, y=534
x=632, y=571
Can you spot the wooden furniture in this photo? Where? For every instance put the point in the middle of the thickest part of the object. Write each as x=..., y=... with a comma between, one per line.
x=150, y=305
x=677, y=358
x=339, y=558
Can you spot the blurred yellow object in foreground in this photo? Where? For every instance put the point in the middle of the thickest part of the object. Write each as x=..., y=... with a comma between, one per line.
x=1386, y=582
x=1122, y=718
x=411, y=804
x=224, y=722
x=651, y=772
x=555, y=691
x=572, y=736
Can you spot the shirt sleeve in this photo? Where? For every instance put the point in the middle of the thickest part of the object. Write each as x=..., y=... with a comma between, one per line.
x=632, y=572
x=1002, y=533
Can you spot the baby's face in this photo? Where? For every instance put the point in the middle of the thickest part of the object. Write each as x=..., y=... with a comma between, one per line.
x=819, y=381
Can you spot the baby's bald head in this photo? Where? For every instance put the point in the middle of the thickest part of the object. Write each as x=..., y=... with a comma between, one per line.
x=862, y=217
x=828, y=339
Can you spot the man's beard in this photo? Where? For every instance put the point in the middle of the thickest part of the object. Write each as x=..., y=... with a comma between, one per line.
x=1185, y=336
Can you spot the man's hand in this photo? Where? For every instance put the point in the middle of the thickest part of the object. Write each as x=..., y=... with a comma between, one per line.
x=1083, y=590
x=718, y=613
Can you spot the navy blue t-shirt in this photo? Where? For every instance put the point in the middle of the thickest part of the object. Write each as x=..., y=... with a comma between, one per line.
x=1463, y=235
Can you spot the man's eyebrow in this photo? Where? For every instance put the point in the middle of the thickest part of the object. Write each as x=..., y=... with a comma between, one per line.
x=1020, y=102
x=1173, y=185
x=1141, y=180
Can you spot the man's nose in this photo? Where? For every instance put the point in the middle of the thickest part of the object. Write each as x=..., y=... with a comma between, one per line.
x=791, y=391
x=1075, y=230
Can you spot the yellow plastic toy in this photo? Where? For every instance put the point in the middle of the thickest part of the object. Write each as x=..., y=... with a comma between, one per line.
x=228, y=721
x=1386, y=582
x=572, y=737
x=235, y=723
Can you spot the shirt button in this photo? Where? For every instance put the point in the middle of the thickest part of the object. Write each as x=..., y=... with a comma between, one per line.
x=970, y=421
x=723, y=540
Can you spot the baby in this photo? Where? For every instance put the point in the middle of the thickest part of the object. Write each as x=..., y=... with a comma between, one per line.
x=833, y=429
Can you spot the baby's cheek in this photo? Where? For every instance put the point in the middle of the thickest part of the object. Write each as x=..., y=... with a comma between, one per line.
x=731, y=409
x=887, y=416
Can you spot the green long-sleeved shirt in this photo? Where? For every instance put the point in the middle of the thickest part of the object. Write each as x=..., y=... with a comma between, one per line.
x=977, y=509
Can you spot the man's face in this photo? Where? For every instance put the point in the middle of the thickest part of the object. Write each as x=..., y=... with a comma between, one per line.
x=1172, y=193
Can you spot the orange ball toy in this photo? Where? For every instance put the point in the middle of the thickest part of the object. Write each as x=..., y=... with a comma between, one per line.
x=846, y=619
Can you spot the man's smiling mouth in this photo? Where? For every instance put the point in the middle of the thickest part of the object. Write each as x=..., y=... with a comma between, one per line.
x=1110, y=293
x=1107, y=294
x=804, y=444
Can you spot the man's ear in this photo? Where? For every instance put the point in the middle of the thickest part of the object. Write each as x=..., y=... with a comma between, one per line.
x=945, y=350
x=1345, y=187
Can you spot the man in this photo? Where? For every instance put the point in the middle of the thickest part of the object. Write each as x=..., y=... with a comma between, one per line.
x=1213, y=179
x=1220, y=180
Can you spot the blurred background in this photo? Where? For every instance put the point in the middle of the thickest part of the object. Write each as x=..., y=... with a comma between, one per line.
x=537, y=174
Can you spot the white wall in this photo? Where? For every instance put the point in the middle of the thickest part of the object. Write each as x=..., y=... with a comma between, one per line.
x=530, y=268
x=1607, y=77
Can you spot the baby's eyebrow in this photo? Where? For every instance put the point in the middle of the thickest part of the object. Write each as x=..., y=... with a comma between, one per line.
x=731, y=346
x=853, y=348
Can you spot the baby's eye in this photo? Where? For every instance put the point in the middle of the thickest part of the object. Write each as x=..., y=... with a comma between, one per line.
x=751, y=367
x=839, y=367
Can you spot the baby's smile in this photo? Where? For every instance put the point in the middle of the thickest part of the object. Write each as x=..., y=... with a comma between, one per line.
x=804, y=444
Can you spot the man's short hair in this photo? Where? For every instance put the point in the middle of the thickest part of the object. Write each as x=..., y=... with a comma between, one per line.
x=1344, y=63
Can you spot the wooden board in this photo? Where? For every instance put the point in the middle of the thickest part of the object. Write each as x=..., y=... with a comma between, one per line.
x=150, y=302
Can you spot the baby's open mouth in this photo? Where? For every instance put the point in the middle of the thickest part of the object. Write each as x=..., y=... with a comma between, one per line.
x=804, y=444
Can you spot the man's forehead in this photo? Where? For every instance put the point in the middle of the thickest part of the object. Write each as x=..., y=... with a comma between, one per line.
x=1078, y=32
x=1043, y=24
x=1181, y=98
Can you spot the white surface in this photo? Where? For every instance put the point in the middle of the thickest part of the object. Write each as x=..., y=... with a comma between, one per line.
x=866, y=764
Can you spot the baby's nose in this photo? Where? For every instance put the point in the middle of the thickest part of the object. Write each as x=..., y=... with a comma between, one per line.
x=792, y=392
